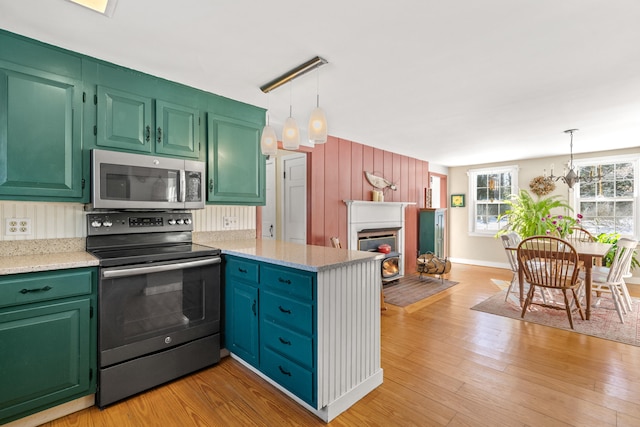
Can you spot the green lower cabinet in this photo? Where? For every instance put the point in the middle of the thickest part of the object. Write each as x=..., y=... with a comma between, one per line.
x=47, y=340
x=40, y=135
x=276, y=314
x=235, y=165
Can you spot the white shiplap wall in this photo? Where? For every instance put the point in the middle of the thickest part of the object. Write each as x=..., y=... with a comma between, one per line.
x=67, y=220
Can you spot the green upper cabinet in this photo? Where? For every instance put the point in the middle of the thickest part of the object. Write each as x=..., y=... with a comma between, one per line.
x=235, y=165
x=177, y=130
x=125, y=122
x=40, y=123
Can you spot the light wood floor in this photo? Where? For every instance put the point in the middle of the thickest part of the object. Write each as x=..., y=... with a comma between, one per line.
x=444, y=365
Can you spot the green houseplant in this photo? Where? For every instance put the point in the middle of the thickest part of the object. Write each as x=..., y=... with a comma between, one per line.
x=612, y=238
x=531, y=216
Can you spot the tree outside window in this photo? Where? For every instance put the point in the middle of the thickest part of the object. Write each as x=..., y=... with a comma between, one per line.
x=489, y=190
x=608, y=205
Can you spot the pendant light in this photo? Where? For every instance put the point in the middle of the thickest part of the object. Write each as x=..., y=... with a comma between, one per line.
x=318, y=120
x=571, y=178
x=269, y=139
x=290, y=132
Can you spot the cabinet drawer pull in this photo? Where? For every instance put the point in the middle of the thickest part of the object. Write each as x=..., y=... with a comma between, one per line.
x=148, y=136
x=281, y=280
x=242, y=270
x=159, y=135
x=283, y=341
x=26, y=291
x=284, y=310
x=284, y=371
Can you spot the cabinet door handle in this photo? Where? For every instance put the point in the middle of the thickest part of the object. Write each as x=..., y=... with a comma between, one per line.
x=281, y=280
x=26, y=291
x=284, y=371
x=283, y=341
x=148, y=136
x=159, y=135
x=284, y=310
x=253, y=307
x=210, y=185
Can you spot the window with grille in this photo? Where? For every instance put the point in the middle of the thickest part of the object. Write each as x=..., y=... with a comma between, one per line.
x=608, y=204
x=489, y=189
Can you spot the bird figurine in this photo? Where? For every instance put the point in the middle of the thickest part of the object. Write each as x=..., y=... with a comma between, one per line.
x=379, y=182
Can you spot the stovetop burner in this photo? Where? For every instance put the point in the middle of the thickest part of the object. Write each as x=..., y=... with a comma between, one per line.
x=123, y=256
x=124, y=238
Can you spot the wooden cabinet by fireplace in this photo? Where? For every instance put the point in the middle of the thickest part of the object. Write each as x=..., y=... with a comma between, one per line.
x=432, y=231
x=47, y=340
x=306, y=319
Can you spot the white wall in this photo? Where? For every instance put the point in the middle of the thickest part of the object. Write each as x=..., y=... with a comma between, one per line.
x=67, y=220
x=488, y=250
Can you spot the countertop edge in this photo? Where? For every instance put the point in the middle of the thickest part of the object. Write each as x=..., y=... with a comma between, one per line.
x=304, y=267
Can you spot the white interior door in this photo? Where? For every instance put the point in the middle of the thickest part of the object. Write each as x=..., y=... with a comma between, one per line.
x=294, y=198
x=269, y=209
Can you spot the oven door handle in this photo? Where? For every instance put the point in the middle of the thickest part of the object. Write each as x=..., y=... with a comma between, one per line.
x=124, y=272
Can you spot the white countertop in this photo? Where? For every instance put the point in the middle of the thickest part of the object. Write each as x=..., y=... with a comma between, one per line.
x=302, y=257
x=44, y=262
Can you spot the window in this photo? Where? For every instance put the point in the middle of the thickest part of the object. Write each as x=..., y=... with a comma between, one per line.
x=610, y=204
x=489, y=189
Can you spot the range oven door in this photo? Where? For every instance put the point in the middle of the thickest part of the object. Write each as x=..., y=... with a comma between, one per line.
x=152, y=307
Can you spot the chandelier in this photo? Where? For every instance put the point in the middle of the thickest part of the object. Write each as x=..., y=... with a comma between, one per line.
x=571, y=178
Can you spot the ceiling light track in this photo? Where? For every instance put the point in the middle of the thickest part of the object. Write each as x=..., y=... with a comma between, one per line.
x=300, y=70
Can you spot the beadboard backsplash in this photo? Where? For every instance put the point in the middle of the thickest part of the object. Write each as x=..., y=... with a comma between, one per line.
x=67, y=220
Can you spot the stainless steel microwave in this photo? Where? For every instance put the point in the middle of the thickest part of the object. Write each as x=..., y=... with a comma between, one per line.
x=144, y=182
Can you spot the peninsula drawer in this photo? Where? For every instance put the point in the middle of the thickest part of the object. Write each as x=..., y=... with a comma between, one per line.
x=241, y=269
x=293, y=345
x=288, y=312
x=292, y=282
x=26, y=288
x=288, y=374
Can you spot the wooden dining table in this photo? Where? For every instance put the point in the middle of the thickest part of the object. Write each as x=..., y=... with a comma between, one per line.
x=587, y=252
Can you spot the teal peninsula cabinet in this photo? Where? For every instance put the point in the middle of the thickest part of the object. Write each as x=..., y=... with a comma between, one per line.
x=47, y=339
x=306, y=319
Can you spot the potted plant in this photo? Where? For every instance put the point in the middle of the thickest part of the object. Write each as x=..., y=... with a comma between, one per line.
x=613, y=238
x=529, y=216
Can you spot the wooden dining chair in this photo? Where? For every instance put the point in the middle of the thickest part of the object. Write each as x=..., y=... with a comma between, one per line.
x=579, y=234
x=551, y=263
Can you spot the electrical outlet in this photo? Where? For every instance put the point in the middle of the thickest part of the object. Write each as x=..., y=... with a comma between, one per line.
x=229, y=222
x=17, y=226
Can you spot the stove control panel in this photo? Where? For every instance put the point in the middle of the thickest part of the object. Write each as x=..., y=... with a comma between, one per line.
x=138, y=222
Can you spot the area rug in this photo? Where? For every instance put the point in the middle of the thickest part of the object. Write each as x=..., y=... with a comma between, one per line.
x=410, y=289
x=604, y=322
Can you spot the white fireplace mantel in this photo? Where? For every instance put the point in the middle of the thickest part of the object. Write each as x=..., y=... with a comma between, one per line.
x=363, y=215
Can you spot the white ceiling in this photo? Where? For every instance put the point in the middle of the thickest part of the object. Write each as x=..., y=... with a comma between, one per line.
x=455, y=82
